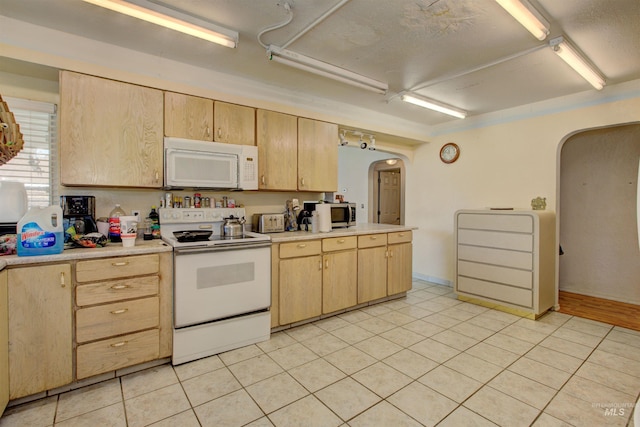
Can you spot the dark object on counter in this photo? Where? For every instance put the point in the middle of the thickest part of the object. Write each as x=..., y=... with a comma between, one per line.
x=91, y=240
x=192, y=235
x=79, y=212
x=304, y=218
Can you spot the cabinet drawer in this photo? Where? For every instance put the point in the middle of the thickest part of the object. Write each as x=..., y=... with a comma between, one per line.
x=339, y=243
x=116, y=353
x=400, y=237
x=496, y=239
x=496, y=222
x=372, y=240
x=296, y=249
x=495, y=291
x=494, y=273
x=116, y=290
x=506, y=258
x=115, y=268
x=103, y=321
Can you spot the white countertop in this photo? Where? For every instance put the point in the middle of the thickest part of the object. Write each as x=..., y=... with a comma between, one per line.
x=358, y=229
x=111, y=250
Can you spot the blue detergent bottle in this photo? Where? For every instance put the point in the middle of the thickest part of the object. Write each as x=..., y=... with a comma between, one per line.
x=40, y=232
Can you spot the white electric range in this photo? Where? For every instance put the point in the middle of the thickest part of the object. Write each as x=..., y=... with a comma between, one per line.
x=222, y=286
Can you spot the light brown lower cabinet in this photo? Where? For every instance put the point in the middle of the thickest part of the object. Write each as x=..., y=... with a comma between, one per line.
x=300, y=281
x=322, y=276
x=40, y=329
x=122, y=317
x=4, y=342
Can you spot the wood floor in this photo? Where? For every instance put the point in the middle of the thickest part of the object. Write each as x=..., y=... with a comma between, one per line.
x=603, y=310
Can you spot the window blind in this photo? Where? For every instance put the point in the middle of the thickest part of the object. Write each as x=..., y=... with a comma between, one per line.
x=35, y=164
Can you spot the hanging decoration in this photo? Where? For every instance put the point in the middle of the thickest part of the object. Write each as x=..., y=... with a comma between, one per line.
x=11, y=141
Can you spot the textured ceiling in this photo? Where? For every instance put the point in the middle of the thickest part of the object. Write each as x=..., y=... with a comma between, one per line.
x=468, y=53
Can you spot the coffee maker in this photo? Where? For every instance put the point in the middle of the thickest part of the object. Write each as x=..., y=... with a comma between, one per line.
x=79, y=212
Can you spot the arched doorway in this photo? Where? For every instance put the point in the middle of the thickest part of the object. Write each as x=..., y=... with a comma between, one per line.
x=387, y=189
x=598, y=213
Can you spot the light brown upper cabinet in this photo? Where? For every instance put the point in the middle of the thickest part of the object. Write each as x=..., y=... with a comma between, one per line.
x=110, y=133
x=235, y=124
x=187, y=116
x=317, y=155
x=277, y=140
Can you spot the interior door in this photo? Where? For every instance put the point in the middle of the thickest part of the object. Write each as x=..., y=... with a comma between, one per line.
x=389, y=196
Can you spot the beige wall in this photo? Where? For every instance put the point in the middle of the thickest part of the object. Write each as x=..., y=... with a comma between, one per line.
x=501, y=165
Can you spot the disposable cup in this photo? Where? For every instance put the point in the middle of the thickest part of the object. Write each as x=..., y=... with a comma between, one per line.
x=128, y=240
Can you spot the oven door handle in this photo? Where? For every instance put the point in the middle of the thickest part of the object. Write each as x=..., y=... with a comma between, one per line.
x=220, y=248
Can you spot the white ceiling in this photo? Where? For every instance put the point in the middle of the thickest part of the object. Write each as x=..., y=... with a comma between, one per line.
x=430, y=46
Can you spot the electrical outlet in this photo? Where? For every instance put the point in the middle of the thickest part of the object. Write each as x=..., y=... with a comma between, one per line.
x=136, y=212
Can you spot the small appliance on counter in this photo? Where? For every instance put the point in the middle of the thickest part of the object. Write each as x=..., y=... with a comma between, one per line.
x=268, y=223
x=79, y=212
x=341, y=214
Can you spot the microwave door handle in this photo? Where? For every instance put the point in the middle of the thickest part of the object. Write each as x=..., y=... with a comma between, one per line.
x=349, y=213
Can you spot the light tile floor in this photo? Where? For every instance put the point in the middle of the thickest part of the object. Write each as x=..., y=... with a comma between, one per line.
x=424, y=360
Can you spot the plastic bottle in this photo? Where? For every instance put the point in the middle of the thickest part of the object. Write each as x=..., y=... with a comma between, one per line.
x=155, y=223
x=40, y=232
x=114, y=223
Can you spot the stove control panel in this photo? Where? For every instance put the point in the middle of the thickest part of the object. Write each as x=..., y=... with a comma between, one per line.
x=196, y=215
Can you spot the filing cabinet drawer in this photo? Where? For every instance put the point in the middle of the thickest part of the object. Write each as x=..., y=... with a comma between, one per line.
x=116, y=268
x=103, y=321
x=298, y=249
x=497, y=292
x=116, y=290
x=496, y=239
x=339, y=243
x=495, y=273
x=512, y=223
x=116, y=353
x=372, y=240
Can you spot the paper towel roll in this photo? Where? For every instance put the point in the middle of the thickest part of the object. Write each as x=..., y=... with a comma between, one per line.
x=324, y=220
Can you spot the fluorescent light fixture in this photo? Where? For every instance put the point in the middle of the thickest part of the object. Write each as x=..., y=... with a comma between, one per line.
x=324, y=69
x=572, y=57
x=433, y=105
x=527, y=16
x=172, y=19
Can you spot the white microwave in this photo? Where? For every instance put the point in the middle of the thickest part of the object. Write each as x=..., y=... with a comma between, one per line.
x=209, y=165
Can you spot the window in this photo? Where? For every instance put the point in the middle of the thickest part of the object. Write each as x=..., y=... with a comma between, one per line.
x=34, y=164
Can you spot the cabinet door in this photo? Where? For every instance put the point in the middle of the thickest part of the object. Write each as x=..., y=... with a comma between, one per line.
x=372, y=273
x=40, y=329
x=188, y=116
x=110, y=133
x=317, y=155
x=4, y=343
x=277, y=140
x=300, y=288
x=339, y=281
x=399, y=268
x=234, y=124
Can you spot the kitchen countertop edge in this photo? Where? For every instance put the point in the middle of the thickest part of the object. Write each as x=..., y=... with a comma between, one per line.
x=111, y=250
x=359, y=229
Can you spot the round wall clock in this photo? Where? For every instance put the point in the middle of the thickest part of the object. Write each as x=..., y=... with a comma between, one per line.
x=449, y=152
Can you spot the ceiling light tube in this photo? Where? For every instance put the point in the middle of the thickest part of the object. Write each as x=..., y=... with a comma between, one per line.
x=324, y=69
x=527, y=16
x=172, y=19
x=433, y=105
x=572, y=57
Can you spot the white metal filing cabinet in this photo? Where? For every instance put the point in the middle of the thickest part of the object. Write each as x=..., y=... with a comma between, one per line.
x=506, y=257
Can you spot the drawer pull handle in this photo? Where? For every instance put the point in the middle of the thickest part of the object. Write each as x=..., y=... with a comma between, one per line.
x=118, y=287
x=122, y=310
x=373, y=238
x=120, y=264
x=119, y=344
x=401, y=234
x=341, y=241
x=63, y=281
x=302, y=246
